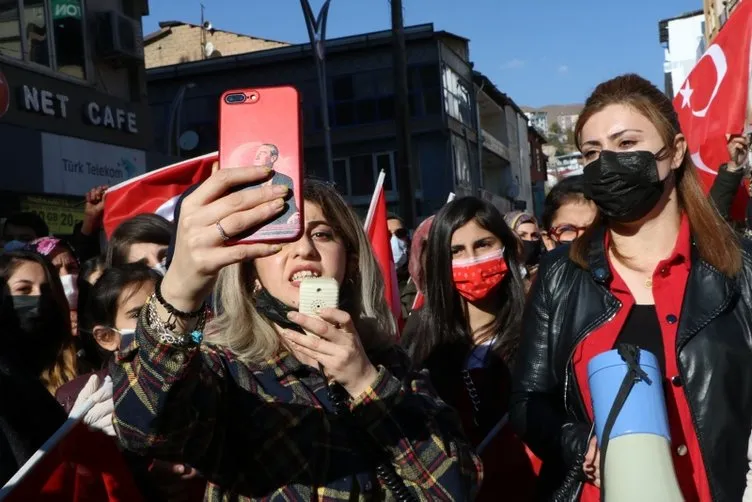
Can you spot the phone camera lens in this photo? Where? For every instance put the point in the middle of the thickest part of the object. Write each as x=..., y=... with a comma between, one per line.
x=234, y=98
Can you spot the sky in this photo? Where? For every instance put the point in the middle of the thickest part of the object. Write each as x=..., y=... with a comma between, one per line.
x=538, y=52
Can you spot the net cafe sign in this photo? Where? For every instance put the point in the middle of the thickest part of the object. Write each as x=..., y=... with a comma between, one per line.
x=54, y=104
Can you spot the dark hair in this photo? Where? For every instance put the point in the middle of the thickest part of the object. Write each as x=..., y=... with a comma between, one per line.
x=90, y=266
x=442, y=319
x=142, y=228
x=102, y=303
x=568, y=190
x=715, y=240
x=392, y=216
x=88, y=357
x=63, y=366
x=31, y=220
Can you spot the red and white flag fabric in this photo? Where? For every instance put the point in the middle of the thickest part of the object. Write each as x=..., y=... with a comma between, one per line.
x=154, y=192
x=76, y=464
x=377, y=231
x=713, y=102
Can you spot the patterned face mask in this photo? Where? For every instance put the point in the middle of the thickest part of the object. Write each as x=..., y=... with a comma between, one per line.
x=475, y=278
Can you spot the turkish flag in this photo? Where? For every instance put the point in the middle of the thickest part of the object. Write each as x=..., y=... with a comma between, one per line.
x=377, y=231
x=77, y=464
x=154, y=192
x=713, y=101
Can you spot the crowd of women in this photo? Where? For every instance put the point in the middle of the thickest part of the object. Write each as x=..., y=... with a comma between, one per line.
x=214, y=386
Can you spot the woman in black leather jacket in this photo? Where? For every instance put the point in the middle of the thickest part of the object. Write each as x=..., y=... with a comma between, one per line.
x=658, y=268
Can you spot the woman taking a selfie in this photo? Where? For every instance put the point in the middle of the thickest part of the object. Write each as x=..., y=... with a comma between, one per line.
x=658, y=269
x=466, y=335
x=264, y=411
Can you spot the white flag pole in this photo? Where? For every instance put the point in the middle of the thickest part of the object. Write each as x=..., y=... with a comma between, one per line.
x=451, y=197
x=374, y=200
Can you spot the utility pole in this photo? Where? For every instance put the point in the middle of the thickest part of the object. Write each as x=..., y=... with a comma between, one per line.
x=402, y=117
x=316, y=26
x=203, y=34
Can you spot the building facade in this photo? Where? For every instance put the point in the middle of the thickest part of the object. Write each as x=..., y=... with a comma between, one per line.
x=538, y=170
x=505, y=151
x=443, y=111
x=177, y=42
x=683, y=41
x=73, y=107
x=539, y=120
x=716, y=14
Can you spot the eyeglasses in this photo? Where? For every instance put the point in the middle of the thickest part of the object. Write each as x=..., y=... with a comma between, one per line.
x=566, y=232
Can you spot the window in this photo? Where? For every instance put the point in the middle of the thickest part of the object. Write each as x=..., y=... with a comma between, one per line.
x=356, y=176
x=384, y=163
x=456, y=97
x=363, y=98
x=10, y=29
x=461, y=162
x=69, y=37
x=361, y=175
x=340, y=175
x=47, y=33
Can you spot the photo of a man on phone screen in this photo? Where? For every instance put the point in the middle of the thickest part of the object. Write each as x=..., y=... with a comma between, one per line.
x=266, y=155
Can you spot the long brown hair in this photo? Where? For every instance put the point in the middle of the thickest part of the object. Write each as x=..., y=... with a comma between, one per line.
x=62, y=367
x=715, y=239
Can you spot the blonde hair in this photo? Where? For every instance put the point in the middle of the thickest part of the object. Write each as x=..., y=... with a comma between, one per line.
x=63, y=370
x=251, y=337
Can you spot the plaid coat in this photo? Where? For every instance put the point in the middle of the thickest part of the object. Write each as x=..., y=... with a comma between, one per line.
x=268, y=431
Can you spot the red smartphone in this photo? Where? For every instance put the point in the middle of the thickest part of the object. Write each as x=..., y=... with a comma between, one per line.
x=262, y=127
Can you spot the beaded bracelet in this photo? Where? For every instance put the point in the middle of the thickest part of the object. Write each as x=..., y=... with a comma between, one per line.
x=166, y=332
x=172, y=310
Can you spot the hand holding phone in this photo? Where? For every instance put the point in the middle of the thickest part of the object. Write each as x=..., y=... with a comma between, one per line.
x=333, y=342
x=207, y=216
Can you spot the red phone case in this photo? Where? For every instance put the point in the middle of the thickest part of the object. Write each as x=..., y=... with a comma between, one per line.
x=262, y=126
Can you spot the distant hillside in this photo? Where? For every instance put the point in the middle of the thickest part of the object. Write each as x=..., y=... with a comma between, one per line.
x=556, y=110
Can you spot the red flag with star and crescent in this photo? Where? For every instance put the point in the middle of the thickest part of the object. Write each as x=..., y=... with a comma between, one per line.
x=713, y=102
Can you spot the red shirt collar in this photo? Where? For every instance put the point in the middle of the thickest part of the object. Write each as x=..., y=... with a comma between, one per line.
x=682, y=249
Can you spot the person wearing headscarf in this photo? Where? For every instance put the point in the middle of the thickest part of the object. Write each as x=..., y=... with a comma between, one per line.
x=411, y=296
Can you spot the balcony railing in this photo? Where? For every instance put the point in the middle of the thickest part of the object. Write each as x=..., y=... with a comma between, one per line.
x=494, y=145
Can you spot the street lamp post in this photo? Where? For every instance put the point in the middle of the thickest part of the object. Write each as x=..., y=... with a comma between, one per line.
x=173, y=124
x=317, y=34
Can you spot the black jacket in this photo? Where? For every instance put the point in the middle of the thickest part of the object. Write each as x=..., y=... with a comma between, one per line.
x=724, y=189
x=714, y=352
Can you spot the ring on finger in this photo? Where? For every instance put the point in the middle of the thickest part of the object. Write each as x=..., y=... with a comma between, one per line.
x=222, y=232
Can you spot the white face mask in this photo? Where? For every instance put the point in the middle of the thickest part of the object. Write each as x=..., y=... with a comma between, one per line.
x=399, y=251
x=70, y=286
x=160, y=268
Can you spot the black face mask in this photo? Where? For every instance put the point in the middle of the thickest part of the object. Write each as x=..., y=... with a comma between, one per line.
x=37, y=322
x=33, y=314
x=531, y=252
x=275, y=310
x=624, y=185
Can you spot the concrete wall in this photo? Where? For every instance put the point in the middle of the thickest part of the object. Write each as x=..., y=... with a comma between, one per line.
x=686, y=43
x=183, y=43
x=526, y=190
